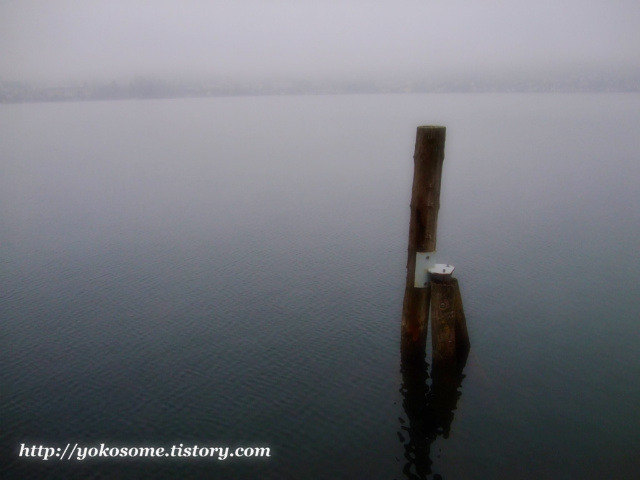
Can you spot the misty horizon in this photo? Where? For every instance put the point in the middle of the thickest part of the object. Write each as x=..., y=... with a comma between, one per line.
x=66, y=41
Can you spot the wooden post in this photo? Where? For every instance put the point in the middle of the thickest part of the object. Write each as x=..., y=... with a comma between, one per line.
x=462, y=334
x=425, y=203
x=449, y=337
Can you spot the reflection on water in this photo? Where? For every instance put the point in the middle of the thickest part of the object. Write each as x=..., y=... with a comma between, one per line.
x=429, y=402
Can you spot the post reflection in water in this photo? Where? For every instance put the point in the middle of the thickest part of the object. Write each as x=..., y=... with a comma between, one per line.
x=429, y=403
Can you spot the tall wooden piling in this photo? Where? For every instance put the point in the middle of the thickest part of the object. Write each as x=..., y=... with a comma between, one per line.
x=425, y=203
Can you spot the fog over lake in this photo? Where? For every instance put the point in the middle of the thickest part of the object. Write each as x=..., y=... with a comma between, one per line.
x=204, y=210
x=62, y=40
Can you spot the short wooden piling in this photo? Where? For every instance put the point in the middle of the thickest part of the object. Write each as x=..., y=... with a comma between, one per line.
x=425, y=203
x=463, y=344
x=449, y=337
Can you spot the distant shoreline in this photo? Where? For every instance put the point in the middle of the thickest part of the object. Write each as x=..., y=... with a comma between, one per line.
x=143, y=88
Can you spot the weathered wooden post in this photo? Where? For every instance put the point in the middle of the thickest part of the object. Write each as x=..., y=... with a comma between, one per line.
x=426, y=284
x=425, y=203
x=449, y=337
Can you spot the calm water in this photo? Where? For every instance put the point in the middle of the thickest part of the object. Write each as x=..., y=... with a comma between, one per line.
x=230, y=272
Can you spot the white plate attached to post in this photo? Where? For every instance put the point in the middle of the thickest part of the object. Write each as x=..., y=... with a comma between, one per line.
x=424, y=261
x=442, y=269
x=441, y=272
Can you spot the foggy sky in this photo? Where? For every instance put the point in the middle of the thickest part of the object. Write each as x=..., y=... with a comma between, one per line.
x=54, y=40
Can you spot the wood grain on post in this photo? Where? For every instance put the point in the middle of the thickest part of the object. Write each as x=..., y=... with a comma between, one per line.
x=425, y=193
x=425, y=203
x=449, y=337
x=462, y=334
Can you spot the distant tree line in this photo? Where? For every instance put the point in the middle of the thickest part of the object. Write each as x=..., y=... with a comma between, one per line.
x=144, y=87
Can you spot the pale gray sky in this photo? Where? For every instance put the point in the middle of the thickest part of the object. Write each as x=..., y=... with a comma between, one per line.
x=96, y=39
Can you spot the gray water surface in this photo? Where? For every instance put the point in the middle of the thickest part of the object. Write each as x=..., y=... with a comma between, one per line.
x=230, y=271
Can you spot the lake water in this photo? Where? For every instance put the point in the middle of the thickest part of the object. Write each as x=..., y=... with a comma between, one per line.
x=230, y=272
